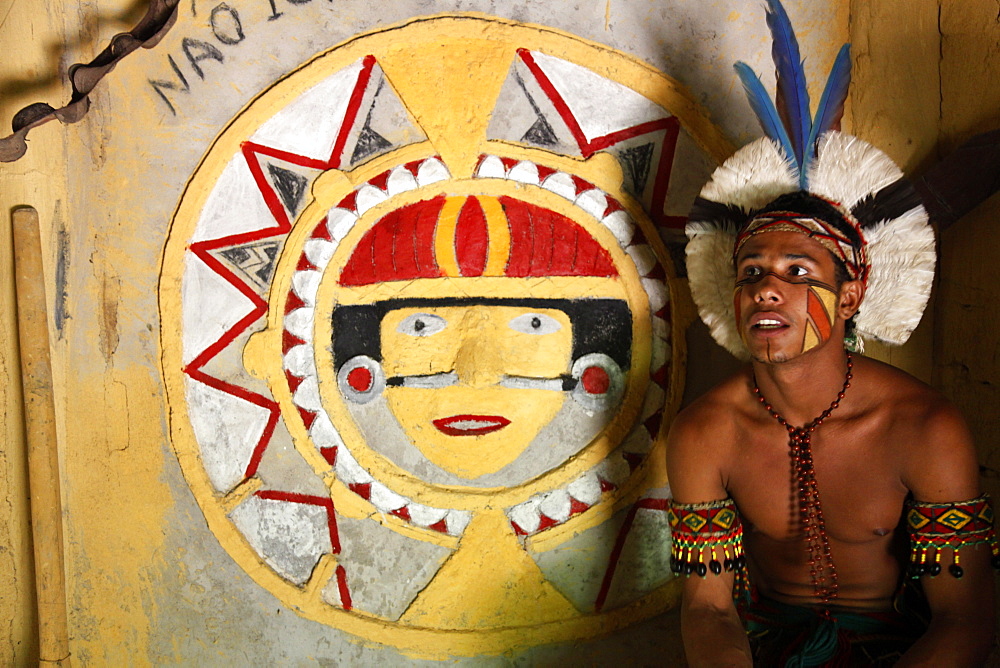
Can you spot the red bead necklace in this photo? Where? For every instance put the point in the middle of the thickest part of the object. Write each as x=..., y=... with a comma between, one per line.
x=821, y=567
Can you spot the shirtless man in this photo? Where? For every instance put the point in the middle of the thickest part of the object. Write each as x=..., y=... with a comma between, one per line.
x=829, y=471
x=890, y=437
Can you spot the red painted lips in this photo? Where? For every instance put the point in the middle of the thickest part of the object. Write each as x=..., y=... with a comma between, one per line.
x=470, y=425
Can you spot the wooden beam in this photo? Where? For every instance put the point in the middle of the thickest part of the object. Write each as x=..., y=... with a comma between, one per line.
x=40, y=425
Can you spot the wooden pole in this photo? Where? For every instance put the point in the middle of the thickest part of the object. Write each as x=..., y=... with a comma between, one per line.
x=40, y=426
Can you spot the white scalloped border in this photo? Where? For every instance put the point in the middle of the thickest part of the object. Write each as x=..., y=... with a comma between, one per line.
x=543, y=510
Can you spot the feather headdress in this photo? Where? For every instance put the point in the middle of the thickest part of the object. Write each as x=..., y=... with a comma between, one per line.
x=858, y=189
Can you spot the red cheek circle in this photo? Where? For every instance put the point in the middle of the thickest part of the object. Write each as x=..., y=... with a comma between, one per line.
x=360, y=379
x=595, y=380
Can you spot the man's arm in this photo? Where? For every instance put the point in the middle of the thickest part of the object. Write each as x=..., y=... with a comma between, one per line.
x=712, y=632
x=944, y=469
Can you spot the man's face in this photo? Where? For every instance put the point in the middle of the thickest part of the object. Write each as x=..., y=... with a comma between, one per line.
x=473, y=385
x=786, y=297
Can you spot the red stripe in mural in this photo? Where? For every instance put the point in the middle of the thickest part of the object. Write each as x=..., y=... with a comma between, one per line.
x=251, y=397
x=350, y=116
x=375, y=257
x=294, y=158
x=546, y=243
x=618, y=136
x=345, y=593
x=404, y=246
x=663, y=171
x=203, y=251
x=565, y=249
x=616, y=553
x=306, y=499
x=670, y=125
x=521, y=238
x=423, y=238
x=557, y=101
x=590, y=146
x=653, y=504
x=471, y=238
x=326, y=504
x=381, y=254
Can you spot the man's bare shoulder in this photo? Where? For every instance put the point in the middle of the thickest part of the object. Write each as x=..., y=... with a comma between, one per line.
x=701, y=440
x=936, y=448
x=901, y=396
x=715, y=409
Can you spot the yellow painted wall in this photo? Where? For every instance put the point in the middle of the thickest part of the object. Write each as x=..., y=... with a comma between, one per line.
x=925, y=81
x=966, y=345
x=894, y=105
x=26, y=75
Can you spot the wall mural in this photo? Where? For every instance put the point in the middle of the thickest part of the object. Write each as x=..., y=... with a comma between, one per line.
x=418, y=334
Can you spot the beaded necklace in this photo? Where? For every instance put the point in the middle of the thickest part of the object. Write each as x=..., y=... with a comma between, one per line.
x=821, y=567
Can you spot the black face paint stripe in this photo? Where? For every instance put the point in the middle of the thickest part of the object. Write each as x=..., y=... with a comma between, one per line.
x=750, y=280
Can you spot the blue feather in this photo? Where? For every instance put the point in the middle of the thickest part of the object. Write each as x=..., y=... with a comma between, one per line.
x=792, y=95
x=765, y=110
x=831, y=106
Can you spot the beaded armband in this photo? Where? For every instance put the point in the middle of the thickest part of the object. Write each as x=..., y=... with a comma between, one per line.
x=701, y=533
x=935, y=526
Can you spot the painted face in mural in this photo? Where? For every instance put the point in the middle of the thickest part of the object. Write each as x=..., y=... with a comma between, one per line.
x=415, y=292
x=785, y=297
x=473, y=380
x=473, y=385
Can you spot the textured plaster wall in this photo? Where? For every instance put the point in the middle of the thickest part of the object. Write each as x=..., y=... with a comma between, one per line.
x=925, y=83
x=147, y=581
x=966, y=347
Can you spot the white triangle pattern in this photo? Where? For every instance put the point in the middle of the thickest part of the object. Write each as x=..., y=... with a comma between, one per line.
x=309, y=125
x=210, y=307
x=235, y=205
x=227, y=429
x=600, y=106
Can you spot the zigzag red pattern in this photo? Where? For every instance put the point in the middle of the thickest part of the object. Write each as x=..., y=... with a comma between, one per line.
x=589, y=147
x=203, y=251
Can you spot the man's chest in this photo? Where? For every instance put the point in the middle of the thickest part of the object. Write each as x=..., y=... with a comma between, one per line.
x=858, y=479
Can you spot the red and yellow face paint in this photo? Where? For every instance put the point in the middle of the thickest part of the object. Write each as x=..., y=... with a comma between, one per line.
x=815, y=303
x=821, y=302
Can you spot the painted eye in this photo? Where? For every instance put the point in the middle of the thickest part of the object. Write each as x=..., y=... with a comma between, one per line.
x=422, y=324
x=535, y=323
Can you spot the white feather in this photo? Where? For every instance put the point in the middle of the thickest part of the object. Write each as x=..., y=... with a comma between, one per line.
x=712, y=278
x=753, y=176
x=902, y=257
x=848, y=169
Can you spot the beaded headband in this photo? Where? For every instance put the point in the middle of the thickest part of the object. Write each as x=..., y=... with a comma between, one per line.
x=857, y=200
x=853, y=256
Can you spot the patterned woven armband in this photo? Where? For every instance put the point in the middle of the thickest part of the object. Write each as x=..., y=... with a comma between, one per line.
x=701, y=532
x=935, y=526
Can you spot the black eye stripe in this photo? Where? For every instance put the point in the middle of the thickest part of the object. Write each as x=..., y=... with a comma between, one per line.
x=750, y=280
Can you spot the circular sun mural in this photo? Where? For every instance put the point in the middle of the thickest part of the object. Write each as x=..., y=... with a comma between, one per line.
x=418, y=335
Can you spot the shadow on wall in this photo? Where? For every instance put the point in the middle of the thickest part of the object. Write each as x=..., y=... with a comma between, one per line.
x=57, y=53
